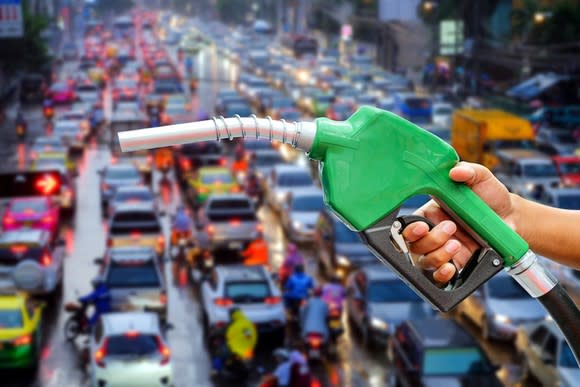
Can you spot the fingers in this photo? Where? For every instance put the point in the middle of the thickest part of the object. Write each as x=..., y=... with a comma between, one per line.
x=434, y=239
x=470, y=174
x=445, y=273
x=440, y=256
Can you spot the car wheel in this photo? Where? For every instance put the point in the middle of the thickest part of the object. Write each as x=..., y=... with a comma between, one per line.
x=72, y=329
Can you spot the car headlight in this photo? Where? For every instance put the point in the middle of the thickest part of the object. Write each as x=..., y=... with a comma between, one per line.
x=297, y=225
x=379, y=324
x=281, y=196
x=530, y=186
x=342, y=261
x=501, y=319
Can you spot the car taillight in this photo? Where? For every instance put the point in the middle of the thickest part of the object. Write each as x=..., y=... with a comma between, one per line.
x=260, y=227
x=272, y=300
x=46, y=259
x=149, y=159
x=235, y=222
x=18, y=249
x=9, y=220
x=163, y=298
x=104, y=186
x=210, y=229
x=223, y=162
x=235, y=189
x=100, y=355
x=186, y=164
x=68, y=194
x=161, y=241
x=47, y=219
x=135, y=234
x=223, y=302
x=314, y=340
x=164, y=351
x=22, y=340
x=203, y=190
x=109, y=242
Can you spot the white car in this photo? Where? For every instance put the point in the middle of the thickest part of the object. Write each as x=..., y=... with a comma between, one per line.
x=249, y=288
x=441, y=114
x=128, y=349
x=283, y=180
x=300, y=212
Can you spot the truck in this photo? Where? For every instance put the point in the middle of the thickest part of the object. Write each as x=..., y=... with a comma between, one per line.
x=568, y=168
x=478, y=135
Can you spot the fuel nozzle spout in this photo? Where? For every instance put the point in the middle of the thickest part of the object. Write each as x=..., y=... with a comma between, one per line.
x=298, y=134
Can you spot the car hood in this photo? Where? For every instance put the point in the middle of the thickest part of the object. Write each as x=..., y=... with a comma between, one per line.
x=569, y=376
x=307, y=218
x=524, y=309
x=396, y=312
x=485, y=380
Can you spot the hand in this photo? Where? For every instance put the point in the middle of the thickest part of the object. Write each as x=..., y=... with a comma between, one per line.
x=445, y=242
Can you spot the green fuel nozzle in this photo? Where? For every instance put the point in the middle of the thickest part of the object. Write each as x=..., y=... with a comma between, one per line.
x=369, y=165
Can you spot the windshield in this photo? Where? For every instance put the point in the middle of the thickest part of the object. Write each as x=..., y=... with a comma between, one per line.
x=567, y=359
x=294, y=180
x=503, y=287
x=217, y=178
x=391, y=291
x=345, y=235
x=569, y=202
x=443, y=111
x=247, y=292
x=268, y=160
x=313, y=203
x=569, y=168
x=10, y=318
x=540, y=170
x=136, y=274
x=30, y=206
x=324, y=99
x=133, y=344
x=122, y=173
x=454, y=361
x=135, y=196
x=230, y=204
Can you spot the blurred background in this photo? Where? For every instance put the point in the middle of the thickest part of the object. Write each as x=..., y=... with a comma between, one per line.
x=170, y=240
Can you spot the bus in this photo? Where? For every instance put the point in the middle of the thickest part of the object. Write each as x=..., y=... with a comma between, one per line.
x=299, y=45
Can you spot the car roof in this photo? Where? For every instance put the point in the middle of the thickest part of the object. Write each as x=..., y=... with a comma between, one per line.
x=131, y=253
x=237, y=196
x=212, y=170
x=31, y=199
x=289, y=168
x=306, y=191
x=135, y=207
x=23, y=236
x=241, y=273
x=378, y=271
x=440, y=333
x=133, y=188
x=120, y=323
x=121, y=166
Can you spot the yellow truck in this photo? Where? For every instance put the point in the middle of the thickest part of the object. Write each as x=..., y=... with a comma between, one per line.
x=477, y=135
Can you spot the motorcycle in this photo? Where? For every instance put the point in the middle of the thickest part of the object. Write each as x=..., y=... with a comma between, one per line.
x=237, y=368
x=21, y=130
x=48, y=112
x=315, y=345
x=202, y=266
x=334, y=320
x=78, y=323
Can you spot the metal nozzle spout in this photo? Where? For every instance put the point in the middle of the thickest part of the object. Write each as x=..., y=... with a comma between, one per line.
x=298, y=134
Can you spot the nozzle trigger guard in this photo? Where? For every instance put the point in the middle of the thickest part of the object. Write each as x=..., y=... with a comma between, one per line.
x=483, y=265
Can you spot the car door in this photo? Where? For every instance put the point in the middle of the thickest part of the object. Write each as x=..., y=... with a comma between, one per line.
x=209, y=289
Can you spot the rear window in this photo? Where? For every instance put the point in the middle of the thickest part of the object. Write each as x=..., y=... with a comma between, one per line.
x=132, y=344
x=313, y=203
x=506, y=288
x=294, y=180
x=454, y=361
x=30, y=206
x=267, y=160
x=247, y=292
x=129, y=274
x=10, y=318
x=569, y=202
x=135, y=222
x=230, y=204
x=224, y=178
x=14, y=253
x=122, y=173
x=200, y=148
x=136, y=196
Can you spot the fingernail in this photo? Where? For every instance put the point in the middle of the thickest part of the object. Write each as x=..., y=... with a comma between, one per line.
x=448, y=228
x=445, y=270
x=418, y=230
x=452, y=246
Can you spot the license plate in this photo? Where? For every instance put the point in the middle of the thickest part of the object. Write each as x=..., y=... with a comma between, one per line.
x=335, y=324
x=27, y=224
x=235, y=245
x=314, y=353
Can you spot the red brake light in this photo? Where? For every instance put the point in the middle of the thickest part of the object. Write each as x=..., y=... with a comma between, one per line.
x=149, y=159
x=235, y=222
x=9, y=220
x=18, y=249
x=260, y=227
x=185, y=164
x=161, y=241
x=22, y=340
x=131, y=334
x=46, y=259
x=315, y=340
x=135, y=234
x=100, y=355
x=164, y=351
x=223, y=302
x=223, y=162
x=47, y=219
x=273, y=300
x=163, y=298
x=109, y=242
x=210, y=229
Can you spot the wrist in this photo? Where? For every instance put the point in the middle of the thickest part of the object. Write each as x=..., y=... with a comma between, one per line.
x=515, y=218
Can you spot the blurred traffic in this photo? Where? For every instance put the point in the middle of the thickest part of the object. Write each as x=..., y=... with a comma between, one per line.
x=216, y=263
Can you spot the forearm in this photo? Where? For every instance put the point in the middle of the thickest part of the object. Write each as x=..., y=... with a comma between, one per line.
x=551, y=232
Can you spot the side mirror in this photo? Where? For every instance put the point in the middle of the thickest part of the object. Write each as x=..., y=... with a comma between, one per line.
x=98, y=261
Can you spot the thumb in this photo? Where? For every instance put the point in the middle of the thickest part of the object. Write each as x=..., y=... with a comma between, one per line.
x=469, y=173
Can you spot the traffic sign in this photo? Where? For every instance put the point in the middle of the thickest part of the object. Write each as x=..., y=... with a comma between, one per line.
x=11, y=24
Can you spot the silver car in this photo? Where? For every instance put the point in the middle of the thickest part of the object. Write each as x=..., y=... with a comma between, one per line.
x=115, y=176
x=300, y=212
x=283, y=180
x=500, y=306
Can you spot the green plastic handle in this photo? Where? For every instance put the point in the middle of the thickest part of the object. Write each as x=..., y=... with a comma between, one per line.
x=374, y=161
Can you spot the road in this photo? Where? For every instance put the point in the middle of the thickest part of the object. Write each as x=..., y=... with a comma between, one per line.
x=85, y=240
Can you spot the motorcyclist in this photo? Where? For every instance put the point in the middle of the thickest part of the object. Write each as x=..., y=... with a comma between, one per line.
x=314, y=316
x=20, y=121
x=297, y=288
x=47, y=108
x=253, y=186
x=240, y=339
x=281, y=375
x=100, y=297
x=240, y=165
x=299, y=371
x=333, y=293
x=182, y=225
x=257, y=252
x=292, y=259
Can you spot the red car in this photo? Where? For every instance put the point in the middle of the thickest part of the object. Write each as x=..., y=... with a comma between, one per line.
x=569, y=169
x=62, y=92
x=37, y=213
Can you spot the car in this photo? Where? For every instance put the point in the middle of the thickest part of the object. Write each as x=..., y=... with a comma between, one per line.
x=282, y=180
x=568, y=169
x=129, y=349
x=88, y=91
x=557, y=142
x=339, y=249
x=500, y=306
x=72, y=135
x=78, y=115
x=62, y=92
x=30, y=261
x=125, y=89
x=70, y=51
x=190, y=157
x=300, y=213
x=567, y=198
x=438, y=352
x=167, y=87
x=264, y=160
x=230, y=221
x=340, y=111
x=131, y=194
x=211, y=180
x=135, y=279
x=136, y=224
x=51, y=148
x=20, y=332
x=546, y=356
x=249, y=288
x=39, y=213
x=115, y=176
x=441, y=114
x=378, y=301
x=32, y=88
